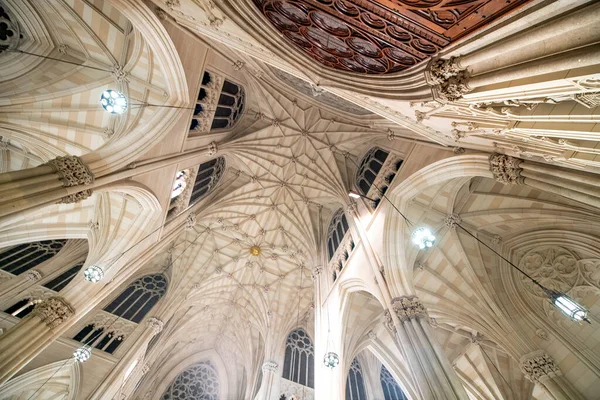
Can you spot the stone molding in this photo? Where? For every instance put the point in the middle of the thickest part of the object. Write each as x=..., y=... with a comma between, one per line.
x=33, y=275
x=155, y=324
x=54, y=311
x=506, y=169
x=270, y=366
x=537, y=365
x=71, y=170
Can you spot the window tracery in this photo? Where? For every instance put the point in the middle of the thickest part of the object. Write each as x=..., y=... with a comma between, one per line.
x=23, y=257
x=105, y=332
x=199, y=381
x=58, y=283
x=298, y=365
x=339, y=245
x=391, y=389
x=209, y=174
x=376, y=172
x=219, y=104
x=139, y=298
x=355, y=383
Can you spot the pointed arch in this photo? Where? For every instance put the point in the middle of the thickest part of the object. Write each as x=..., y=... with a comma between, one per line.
x=61, y=380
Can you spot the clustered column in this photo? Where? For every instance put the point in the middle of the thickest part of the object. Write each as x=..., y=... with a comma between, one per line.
x=579, y=186
x=433, y=373
x=541, y=369
x=268, y=388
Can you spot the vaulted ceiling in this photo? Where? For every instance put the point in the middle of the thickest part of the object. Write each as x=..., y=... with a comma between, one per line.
x=379, y=36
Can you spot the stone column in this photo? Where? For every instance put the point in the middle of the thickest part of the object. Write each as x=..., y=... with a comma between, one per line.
x=24, y=341
x=61, y=180
x=540, y=368
x=269, y=386
x=115, y=384
x=574, y=185
x=434, y=375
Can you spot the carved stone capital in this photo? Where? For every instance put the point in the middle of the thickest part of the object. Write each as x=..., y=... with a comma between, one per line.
x=506, y=169
x=155, y=324
x=190, y=222
x=538, y=365
x=441, y=69
x=408, y=307
x=212, y=149
x=71, y=170
x=54, y=311
x=453, y=88
x=270, y=366
x=33, y=275
x=75, y=197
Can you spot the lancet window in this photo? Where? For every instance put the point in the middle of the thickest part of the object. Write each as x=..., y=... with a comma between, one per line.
x=22, y=308
x=58, y=283
x=23, y=257
x=220, y=104
x=207, y=178
x=106, y=332
x=199, y=381
x=391, y=389
x=298, y=365
x=139, y=298
x=355, y=383
x=339, y=246
x=376, y=172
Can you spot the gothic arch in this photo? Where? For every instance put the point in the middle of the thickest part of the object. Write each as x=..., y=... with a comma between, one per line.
x=61, y=379
x=179, y=363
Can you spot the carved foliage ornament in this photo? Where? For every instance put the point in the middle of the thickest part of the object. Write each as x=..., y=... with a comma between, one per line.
x=537, y=365
x=506, y=169
x=408, y=307
x=54, y=311
x=71, y=170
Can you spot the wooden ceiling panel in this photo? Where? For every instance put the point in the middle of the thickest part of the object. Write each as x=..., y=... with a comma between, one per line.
x=379, y=36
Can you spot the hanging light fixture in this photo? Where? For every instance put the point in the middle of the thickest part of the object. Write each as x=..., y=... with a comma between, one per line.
x=567, y=305
x=423, y=238
x=331, y=360
x=113, y=101
x=82, y=354
x=93, y=274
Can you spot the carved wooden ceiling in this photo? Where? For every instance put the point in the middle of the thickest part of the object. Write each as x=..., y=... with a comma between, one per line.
x=379, y=36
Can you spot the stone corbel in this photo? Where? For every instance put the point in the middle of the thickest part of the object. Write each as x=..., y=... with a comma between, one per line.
x=449, y=80
x=53, y=311
x=506, y=169
x=408, y=307
x=156, y=325
x=538, y=365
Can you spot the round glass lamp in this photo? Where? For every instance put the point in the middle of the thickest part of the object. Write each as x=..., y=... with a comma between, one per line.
x=331, y=360
x=93, y=274
x=423, y=238
x=82, y=354
x=113, y=101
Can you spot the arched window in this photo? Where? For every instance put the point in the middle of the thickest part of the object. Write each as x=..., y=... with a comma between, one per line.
x=132, y=304
x=139, y=298
x=231, y=105
x=336, y=232
x=207, y=178
x=299, y=362
x=355, y=384
x=24, y=257
x=22, y=308
x=200, y=381
x=58, y=283
x=224, y=102
x=376, y=163
x=391, y=390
